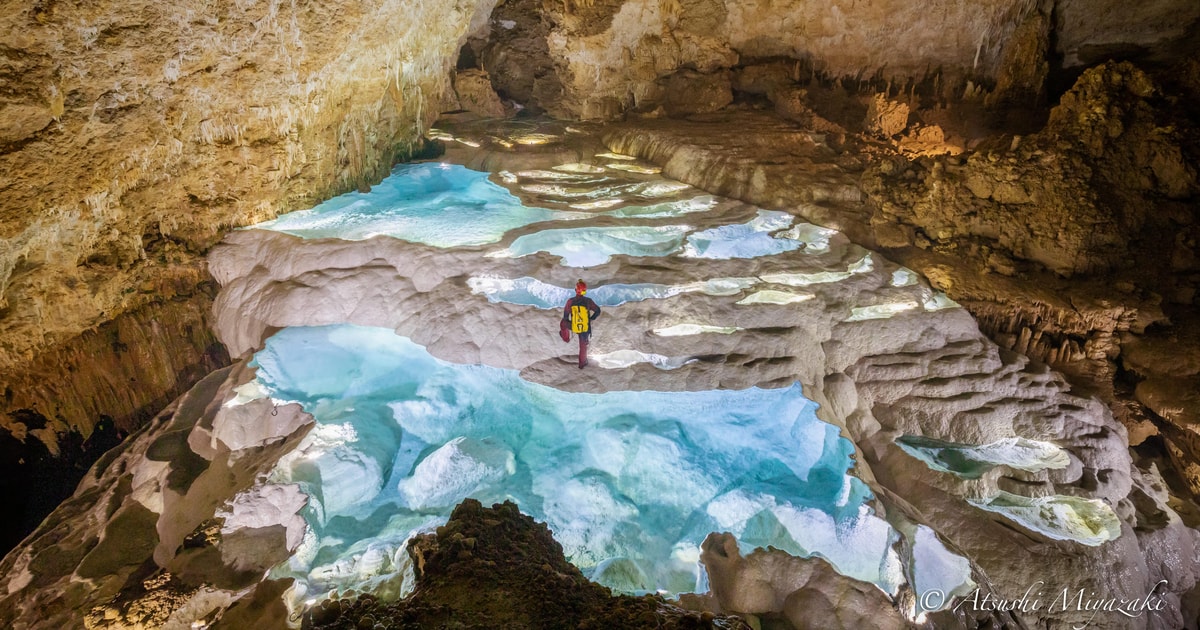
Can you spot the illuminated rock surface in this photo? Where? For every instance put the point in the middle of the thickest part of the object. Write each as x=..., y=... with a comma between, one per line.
x=389, y=455
x=133, y=136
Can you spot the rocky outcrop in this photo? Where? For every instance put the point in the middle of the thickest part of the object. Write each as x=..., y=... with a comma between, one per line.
x=514, y=51
x=134, y=126
x=882, y=355
x=475, y=94
x=127, y=369
x=599, y=60
x=1104, y=194
x=1024, y=64
x=613, y=56
x=807, y=592
x=886, y=118
x=77, y=400
x=152, y=532
x=133, y=135
x=1074, y=198
x=529, y=585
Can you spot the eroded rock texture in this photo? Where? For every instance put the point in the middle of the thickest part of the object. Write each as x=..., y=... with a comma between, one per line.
x=807, y=592
x=79, y=399
x=1065, y=244
x=150, y=534
x=135, y=134
x=601, y=59
x=927, y=372
x=528, y=585
x=132, y=137
x=877, y=349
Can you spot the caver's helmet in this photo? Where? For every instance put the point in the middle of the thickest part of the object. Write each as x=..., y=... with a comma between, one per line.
x=581, y=288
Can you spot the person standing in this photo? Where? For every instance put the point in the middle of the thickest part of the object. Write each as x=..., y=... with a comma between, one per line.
x=578, y=315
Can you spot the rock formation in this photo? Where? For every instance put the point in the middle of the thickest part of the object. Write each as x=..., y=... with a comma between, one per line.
x=133, y=136
x=529, y=584
x=806, y=591
x=992, y=148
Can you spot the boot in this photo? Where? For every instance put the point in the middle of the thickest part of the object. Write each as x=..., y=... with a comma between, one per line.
x=583, y=344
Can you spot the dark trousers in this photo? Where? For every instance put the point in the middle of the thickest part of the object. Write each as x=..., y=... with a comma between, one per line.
x=583, y=346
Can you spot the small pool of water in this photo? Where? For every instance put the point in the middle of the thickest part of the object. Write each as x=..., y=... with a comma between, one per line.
x=972, y=461
x=591, y=246
x=1090, y=522
x=528, y=291
x=761, y=236
x=444, y=205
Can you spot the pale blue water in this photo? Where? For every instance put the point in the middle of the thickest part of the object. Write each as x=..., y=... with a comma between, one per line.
x=624, y=479
x=591, y=246
x=445, y=205
x=629, y=482
x=971, y=461
x=744, y=240
x=528, y=291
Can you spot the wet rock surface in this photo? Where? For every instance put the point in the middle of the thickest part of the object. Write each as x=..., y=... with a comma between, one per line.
x=497, y=568
x=902, y=370
x=1064, y=244
x=875, y=346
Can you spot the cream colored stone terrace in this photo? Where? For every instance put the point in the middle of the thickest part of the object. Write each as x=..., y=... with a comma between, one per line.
x=133, y=134
x=921, y=370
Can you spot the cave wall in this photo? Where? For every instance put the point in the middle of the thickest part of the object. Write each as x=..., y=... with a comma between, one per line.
x=1092, y=31
x=598, y=59
x=613, y=56
x=132, y=135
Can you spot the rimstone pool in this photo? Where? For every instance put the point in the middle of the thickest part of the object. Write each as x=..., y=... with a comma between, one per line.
x=630, y=482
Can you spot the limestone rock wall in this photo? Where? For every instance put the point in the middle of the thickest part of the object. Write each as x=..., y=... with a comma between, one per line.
x=1109, y=172
x=613, y=56
x=135, y=133
x=152, y=503
x=127, y=369
x=1158, y=29
x=76, y=400
x=598, y=59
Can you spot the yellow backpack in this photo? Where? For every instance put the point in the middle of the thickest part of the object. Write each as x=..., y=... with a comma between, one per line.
x=579, y=318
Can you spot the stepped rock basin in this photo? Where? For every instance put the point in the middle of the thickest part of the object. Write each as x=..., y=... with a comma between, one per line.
x=753, y=374
x=637, y=477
